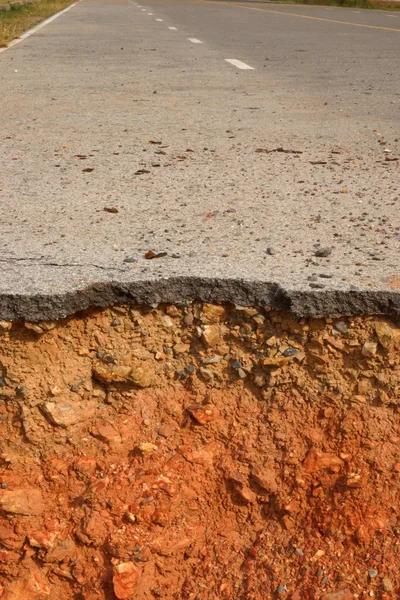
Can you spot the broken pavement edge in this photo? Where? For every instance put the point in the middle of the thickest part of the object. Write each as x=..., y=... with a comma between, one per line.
x=305, y=303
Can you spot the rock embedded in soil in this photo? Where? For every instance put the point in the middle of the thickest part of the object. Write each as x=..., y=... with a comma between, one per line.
x=265, y=478
x=65, y=414
x=142, y=374
x=212, y=335
x=125, y=580
x=23, y=501
x=31, y=586
x=317, y=460
x=123, y=478
x=110, y=373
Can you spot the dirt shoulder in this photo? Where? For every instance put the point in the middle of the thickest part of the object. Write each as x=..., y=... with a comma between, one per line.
x=15, y=17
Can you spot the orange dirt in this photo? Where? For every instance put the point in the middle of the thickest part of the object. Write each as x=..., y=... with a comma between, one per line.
x=200, y=452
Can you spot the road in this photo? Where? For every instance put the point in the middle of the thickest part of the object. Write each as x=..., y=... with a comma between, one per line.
x=164, y=113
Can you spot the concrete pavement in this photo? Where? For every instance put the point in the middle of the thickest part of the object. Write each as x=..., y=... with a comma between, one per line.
x=237, y=177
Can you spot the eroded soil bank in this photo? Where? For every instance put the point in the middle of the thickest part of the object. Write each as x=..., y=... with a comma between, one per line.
x=200, y=452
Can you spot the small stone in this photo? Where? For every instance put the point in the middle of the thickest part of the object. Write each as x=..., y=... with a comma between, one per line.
x=316, y=460
x=130, y=260
x=107, y=433
x=259, y=319
x=290, y=352
x=188, y=319
x=202, y=414
x=387, y=584
x=151, y=254
x=341, y=326
x=359, y=398
x=111, y=373
x=55, y=391
x=277, y=361
x=212, y=313
x=236, y=364
x=312, y=278
x=247, y=494
x=265, y=478
x=211, y=360
x=369, y=349
x=42, y=539
x=166, y=430
x=323, y=252
x=271, y=251
x=318, y=554
x=211, y=335
x=41, y=327
x=62, y=550
x=248, y=311
x=386, y=334
x=242, y=374
x=281, y=589
x=142, y=374
x=190, y=368
x=181, y=374
x=181, y=348
x=166, y=321
x=372, y=573
x=125, y=580
x=5, y=326
x=259, y=380
x=66, y=414
x=75, y=387
x=147, y=447
x=207, y=374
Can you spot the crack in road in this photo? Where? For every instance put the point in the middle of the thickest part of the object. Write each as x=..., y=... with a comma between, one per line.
x=51, y=264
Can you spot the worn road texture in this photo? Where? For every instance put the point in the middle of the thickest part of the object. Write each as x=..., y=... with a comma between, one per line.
x=235, y=178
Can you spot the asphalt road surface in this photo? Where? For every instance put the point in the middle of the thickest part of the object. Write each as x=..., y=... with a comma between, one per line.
x=235, y=141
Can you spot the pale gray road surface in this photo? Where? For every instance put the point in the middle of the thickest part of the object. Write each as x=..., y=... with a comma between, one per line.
x=112, y=107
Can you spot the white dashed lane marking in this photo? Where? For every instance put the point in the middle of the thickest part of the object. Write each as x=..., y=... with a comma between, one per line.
x=173, y=28
x=239, y=64
x=195, y=41
x=159, y=20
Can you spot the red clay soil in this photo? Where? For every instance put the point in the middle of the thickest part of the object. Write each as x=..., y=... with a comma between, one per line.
x=200, y=453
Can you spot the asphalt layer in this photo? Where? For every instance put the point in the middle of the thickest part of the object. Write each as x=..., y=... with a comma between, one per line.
x=108, y=108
